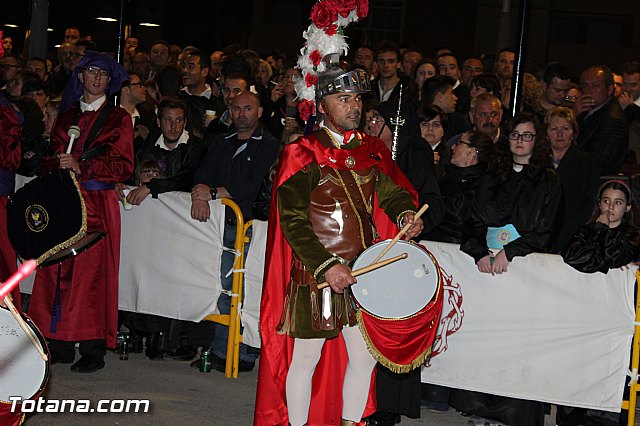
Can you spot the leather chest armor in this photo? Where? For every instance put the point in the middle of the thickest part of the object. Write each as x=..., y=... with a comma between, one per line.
x=341, y=210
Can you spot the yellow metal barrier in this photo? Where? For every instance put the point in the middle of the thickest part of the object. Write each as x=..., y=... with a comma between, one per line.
x=233, y=318
x=630, y=405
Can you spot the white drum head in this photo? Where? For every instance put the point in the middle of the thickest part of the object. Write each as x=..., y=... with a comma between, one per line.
x=22, y=371
x=400, y=289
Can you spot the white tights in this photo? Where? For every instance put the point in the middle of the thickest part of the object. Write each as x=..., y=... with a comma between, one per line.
x=357, y=378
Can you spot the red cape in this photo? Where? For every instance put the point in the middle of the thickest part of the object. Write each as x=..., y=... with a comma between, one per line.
x=277, y=349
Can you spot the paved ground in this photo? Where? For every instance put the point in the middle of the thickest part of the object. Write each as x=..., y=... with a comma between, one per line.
x=178, y=395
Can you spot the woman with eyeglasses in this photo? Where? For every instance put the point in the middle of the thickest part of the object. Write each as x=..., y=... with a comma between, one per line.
x=470, y=156
x=578, y=172
x=433, y=126
x=513, y=215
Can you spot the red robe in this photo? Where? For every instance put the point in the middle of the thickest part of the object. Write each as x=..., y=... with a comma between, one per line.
x=277, y=349
x=89, y=281
x=10, y=155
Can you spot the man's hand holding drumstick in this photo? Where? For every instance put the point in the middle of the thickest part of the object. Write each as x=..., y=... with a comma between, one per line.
x=340, y=276
x=66, y=161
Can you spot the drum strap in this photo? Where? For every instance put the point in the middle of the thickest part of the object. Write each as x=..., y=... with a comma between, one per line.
x=359, y=204
x=93, y=132
x=56, y=312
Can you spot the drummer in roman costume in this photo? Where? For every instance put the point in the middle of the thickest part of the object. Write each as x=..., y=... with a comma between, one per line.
x=337, y=191
x=77, y=300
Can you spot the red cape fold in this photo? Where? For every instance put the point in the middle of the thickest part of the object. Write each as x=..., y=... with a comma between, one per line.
x=277, y=349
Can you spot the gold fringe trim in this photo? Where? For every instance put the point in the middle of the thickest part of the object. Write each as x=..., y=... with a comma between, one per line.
x=81, y=233
x=396, y=368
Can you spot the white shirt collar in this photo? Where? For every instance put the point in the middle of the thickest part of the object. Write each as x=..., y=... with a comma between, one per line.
x=135, y=114
x=93, y=106
x=184, y=138
x=637, y=101
x=206, y=93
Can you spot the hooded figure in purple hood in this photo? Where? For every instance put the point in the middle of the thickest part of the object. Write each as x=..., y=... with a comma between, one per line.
x=77, y=300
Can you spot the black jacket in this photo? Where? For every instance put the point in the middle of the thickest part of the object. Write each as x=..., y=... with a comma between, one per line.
x=600, y=248
x=530, y=203
x=415, y=158
x=239, y=166
x=580, y=180
x=178, y=165
x=605, y=134
x=458, y=187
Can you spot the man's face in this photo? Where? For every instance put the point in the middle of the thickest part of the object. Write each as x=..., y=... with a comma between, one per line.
x=140, y=63
x=71, y=34
x=555, y=92
x=289, y=81
x=94, y=80
x=192, y=73
x=617, y=85
x=7, y=44
x=592, y=84
x=9, y=68
x=159, y=55
x=78, y=54
x=486, y=118
x=631, y=84
x=216, y=63
x=39, y=97
x=409, y=59
x=448, y=65
x=245, y=112
x=345, y=108
x=172, y=124
x=504, y=65
x=447, y=100
x=364, y=58
x=65, y=52
x=232, y=86
x=38, y=67
x=388, y=64
x=131, y=44
x=137, y=90
x=471, y=68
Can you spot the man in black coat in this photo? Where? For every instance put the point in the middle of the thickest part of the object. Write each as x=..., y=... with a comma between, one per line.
x=604, y=130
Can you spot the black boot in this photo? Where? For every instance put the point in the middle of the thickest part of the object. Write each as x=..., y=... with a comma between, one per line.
x=153, y=351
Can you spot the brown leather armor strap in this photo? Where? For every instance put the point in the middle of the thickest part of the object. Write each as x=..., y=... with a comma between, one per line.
x=359, y=204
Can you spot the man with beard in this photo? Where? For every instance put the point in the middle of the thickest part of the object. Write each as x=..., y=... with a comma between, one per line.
x=321, y=219
x=178, y=152
x=485, y=115
x=554, y=85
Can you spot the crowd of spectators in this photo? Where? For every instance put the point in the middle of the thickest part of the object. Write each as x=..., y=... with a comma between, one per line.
x=536, y=176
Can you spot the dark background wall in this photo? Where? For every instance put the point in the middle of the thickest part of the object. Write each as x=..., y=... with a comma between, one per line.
x=576, y=32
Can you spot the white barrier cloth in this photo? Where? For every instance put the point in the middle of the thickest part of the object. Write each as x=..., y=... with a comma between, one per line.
x=542, y=331
x=170, y=263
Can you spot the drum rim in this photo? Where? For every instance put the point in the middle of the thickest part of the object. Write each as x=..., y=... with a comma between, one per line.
x=433, y=299
x=43, y=344
x=97, y=236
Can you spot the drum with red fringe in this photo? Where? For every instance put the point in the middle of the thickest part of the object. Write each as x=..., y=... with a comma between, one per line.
x=399, y=305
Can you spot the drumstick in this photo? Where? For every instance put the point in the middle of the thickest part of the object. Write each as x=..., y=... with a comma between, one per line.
x=74, y=133
x=369, y=268
x=24, y=326
x=404, y=229
x=23, y=271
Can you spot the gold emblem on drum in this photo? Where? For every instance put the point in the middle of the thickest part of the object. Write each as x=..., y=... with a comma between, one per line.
x=36, y=217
